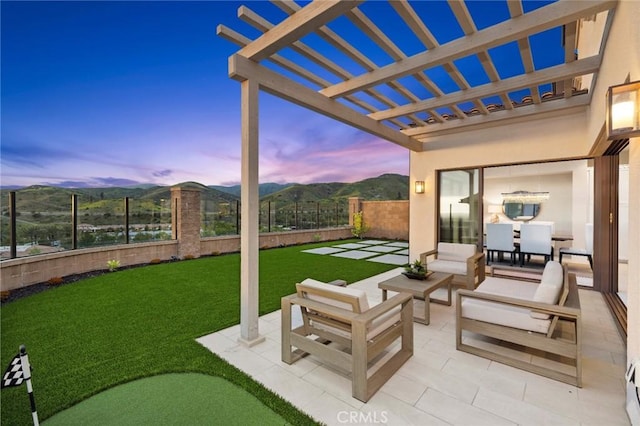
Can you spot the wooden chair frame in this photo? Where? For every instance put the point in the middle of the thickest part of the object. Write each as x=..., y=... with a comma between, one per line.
x=567, y=311
x=475, y=269
x=354, y=354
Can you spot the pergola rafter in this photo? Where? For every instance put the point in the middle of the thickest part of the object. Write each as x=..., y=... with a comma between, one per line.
x=404, y=100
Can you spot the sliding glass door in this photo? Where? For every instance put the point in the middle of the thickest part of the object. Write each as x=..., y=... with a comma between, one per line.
x=459, y=206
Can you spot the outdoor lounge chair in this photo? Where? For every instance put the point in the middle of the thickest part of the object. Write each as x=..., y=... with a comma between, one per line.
x=341, y=330
x=505, y=319
x=462, y=260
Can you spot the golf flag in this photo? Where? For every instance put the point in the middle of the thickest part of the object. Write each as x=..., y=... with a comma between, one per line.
x=14, y=375
x=18, y=372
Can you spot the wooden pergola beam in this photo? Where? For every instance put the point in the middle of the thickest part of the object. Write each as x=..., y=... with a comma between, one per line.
x=559, y=72
x=241, y=69
x=296, y=26
x=560, y=106
x=533, y=22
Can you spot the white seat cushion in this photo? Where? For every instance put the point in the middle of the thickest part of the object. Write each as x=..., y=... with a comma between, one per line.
x=510, y=316
x=455, y=252
x=550, y=287
x=448, y=266
x=377, y=326
x=363, y=303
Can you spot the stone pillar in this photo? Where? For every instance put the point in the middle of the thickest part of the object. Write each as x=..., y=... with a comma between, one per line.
x=185, y=220
x=355, y=205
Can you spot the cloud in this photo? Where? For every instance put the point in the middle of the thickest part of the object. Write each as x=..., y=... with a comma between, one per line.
x=329, y=154
x=94, y=182
x=22, y=152
x=162, y=173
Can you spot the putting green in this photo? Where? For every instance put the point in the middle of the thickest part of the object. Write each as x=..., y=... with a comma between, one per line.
x=170, y=399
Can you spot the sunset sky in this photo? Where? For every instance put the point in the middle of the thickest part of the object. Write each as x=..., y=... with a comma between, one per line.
x=119, y=93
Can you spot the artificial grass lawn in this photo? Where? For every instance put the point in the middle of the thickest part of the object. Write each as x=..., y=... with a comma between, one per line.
x=89, y=336
x=170, y=399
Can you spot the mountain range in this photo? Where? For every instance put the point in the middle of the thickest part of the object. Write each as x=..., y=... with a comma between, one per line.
x=39, y=198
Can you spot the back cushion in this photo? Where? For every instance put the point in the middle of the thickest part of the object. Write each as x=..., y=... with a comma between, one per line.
x=552, y=274
x=457, y=252
x=550, y=287
x=323, y=292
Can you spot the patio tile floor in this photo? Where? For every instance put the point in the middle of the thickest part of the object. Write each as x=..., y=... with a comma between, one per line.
x=393, y=253
x=440, y=385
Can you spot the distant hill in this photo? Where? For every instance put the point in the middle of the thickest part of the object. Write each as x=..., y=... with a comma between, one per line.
x=42, y=199
x=384, y=187
x=264, y=189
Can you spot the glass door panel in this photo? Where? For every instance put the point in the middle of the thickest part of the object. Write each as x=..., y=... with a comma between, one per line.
x=459, y=206
x=623, y=225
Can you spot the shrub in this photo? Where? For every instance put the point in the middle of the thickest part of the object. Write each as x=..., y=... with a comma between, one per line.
x=317, y=238
x=34, y=251
x=113, y=264
x=359, y=227
x=55, y=281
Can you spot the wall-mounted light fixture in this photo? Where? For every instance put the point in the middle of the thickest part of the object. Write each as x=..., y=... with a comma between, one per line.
x=419, y=187
x=623, y=111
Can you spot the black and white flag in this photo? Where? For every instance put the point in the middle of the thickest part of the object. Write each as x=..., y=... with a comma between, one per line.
x=14, y=375
x=18, y=372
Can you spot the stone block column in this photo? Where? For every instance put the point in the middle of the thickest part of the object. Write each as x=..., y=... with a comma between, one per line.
x=185, y=220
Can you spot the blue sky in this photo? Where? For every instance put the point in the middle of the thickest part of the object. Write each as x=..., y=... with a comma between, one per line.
x=118, y=93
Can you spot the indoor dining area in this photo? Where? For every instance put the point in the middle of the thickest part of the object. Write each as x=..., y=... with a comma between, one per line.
x=523, y=215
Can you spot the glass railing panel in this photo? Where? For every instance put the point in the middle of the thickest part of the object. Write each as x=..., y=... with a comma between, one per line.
x=149, y=220
x=43, y=221
x=101, y=221
x=219, y=217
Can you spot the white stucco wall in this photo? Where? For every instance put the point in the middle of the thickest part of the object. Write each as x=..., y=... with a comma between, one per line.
x=550, y=138
x=622, y=58
x=536, y=140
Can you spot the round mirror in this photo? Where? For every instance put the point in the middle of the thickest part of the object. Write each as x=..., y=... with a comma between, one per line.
x=522, y=205
x=517, y=210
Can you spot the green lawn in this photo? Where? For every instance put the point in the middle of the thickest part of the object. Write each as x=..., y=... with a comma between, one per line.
x=89, y=336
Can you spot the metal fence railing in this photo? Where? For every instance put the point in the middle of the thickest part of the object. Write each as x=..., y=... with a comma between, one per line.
x=47, y=221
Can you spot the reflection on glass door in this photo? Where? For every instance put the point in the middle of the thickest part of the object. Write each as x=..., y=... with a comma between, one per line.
x=459, y=206
x=623, y=225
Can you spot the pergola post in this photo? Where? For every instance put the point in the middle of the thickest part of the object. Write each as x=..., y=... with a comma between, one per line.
x=249, y=244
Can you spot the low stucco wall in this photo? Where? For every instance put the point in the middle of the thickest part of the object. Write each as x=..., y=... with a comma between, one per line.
x=25, y=271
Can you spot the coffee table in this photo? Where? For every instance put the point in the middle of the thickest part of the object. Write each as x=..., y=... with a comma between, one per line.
x=420, y=289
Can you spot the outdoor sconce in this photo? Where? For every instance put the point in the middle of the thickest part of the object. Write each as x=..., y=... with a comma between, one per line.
x=623, y=111
x=419, y=187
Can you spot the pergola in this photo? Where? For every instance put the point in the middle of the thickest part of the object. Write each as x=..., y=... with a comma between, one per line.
x=416, y=83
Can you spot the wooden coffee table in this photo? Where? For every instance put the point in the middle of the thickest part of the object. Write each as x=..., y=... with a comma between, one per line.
x=419, y=289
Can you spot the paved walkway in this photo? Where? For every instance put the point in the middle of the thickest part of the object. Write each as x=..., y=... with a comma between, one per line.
x=390, y=252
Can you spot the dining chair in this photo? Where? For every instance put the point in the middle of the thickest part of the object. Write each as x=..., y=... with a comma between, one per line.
x=500, y=240
x=586, y=251
x=535, y=240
